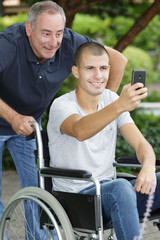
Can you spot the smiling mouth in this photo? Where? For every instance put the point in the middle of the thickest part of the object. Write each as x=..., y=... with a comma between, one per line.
x=49, y=49
x=96, y=83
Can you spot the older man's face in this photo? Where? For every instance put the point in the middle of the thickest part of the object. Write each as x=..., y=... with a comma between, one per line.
x=46, y=36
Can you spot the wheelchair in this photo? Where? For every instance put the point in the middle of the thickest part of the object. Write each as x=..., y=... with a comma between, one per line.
x=38, y=213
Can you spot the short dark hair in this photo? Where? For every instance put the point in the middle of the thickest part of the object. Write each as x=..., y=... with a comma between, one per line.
x=92, y=47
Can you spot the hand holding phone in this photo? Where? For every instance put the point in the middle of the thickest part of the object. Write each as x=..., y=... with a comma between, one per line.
x=130, y=96
x=138, y=76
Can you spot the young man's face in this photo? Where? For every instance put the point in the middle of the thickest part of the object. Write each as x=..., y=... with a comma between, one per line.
x=93, y=73
x=46, y=36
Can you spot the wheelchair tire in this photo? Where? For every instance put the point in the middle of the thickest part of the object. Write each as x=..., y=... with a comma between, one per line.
x=18, y=223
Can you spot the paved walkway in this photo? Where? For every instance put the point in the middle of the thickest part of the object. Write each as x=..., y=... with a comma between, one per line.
x=10, y=185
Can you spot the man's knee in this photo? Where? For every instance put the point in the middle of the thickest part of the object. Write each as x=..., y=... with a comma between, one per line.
x=118, y=194
x=123, y=190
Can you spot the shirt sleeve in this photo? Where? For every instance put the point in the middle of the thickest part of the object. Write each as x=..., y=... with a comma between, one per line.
x=7, y=52
x=60, y=110
x=123, y=119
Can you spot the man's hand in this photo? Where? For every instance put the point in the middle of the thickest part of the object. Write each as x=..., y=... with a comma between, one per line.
x=145, y=178
x=19, y=123
x=130, y=97
x=21, y=126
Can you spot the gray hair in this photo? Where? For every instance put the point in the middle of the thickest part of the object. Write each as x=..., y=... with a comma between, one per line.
x=38, y=8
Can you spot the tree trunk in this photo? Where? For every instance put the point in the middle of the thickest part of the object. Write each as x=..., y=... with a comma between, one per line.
x=139, y=25
x=1, y=8
x=76, y=6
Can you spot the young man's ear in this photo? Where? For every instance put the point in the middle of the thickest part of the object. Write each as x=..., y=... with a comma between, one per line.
x=75, y=71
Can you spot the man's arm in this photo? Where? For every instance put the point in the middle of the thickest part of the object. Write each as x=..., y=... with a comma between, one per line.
x=145, y=155
x=118, y=63
x=19, y=123
x=83, y=128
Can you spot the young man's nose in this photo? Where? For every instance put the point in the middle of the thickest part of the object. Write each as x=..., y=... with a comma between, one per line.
x=98, y=73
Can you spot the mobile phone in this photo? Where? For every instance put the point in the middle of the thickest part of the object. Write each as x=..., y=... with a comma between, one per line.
x=138, y=76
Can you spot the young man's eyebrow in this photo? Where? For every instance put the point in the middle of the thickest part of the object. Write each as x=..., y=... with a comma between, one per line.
x=96, y=66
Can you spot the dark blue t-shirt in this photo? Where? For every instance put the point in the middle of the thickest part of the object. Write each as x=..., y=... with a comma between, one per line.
x=26, y=85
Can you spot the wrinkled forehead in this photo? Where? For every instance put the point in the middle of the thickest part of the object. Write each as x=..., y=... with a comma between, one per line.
x=52, y=15
x=50, y=21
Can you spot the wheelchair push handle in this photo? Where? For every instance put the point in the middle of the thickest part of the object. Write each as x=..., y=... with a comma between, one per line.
x=39, y=142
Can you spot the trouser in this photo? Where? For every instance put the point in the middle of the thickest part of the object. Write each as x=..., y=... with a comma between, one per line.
x=123, y=206
x=22, y=152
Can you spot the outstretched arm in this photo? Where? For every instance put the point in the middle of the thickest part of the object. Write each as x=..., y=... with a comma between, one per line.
x=19, y=123
x=85, y=127
x=117, y=66
x=145, y=155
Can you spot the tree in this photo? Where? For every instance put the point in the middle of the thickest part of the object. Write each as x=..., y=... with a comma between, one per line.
x=73, y=7
x=76, y=6
x=139, y=25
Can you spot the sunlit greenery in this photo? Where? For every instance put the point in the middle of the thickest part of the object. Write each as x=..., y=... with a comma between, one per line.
x=149, y=126
x=8, y=20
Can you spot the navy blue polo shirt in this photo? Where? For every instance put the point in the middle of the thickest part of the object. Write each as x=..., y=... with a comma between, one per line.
x=26, y=85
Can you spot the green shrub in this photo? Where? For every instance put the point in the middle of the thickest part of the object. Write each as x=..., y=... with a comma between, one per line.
x=149, y=127
x=137, y=59
x=149, y=37
x=92, y=26
x=8, y=20
x=108, y=30
x=118, y=26
x=153, y=96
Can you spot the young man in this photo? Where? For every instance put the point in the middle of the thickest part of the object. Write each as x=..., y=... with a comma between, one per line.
x=82, y=131
x=35, y=58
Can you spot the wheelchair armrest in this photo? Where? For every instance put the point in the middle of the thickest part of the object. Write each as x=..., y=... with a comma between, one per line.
x=129, y=161
x=59, y=172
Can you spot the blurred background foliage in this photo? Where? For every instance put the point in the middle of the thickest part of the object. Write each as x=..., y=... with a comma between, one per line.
x=144, y=53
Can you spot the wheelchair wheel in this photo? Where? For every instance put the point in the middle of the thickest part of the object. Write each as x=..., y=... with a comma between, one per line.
x=34, y=214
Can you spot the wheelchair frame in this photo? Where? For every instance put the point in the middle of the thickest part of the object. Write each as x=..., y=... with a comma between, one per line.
x=53, y=206
x=78, y=175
